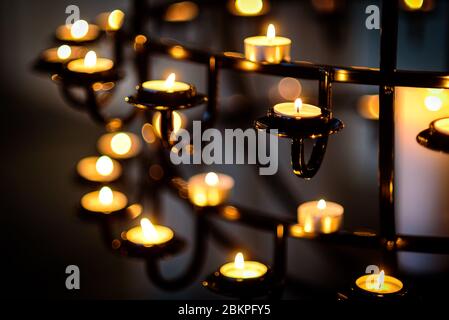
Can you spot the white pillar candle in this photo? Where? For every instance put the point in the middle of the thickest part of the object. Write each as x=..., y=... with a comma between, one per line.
x=320, y=216
x=268, y=48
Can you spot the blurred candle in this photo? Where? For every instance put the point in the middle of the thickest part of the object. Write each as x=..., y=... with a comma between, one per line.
x=268, y=48
x=320, y=216
x=104, y=201
x=80, y=31
x=119, y=145
x=240, y=269
x=297, y=110
x=148, y=234
x=209, y=189
x=379, y=283
x=442, y=126
x=90, y=64
x=168, y=85
x=99, y=169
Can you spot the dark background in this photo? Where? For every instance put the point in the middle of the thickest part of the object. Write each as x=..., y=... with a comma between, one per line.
x=43, y=139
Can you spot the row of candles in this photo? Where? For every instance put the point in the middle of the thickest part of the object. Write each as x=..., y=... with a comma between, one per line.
x=204, y=190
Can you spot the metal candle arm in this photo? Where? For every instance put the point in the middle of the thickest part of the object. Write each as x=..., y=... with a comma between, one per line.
x=308, y=169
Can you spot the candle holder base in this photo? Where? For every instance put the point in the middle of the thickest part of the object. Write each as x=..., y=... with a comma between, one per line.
x=161, y=105
x=169, y=248
x=247, y=288
x=357, y=295
x=433, y=140
x=83, y=79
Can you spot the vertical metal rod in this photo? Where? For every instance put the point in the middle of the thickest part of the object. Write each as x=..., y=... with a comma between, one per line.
x=212, y=92
x=325, y=93
x=388, y=53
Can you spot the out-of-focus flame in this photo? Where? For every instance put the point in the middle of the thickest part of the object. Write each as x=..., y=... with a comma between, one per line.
x=115, y=19
x=271, y=32
x=321, y=205
x=79, y=29
x=211, y=179
x=148, y=230
x=105, y=195
x=433, y=103
x=90, y=60
x=170, y=81
x=249, y=7
x=121, y=143
x=64, y=52
x=239, y=262
x=104, y=165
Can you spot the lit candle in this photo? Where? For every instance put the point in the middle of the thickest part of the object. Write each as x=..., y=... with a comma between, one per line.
x=379, y=284
x=442, y=126
x=99, y=169
x=209, y=189
x=148, y=235
x=111, y=21
x=119, y=145
x=240, y=269
x=80, y=31
x=268, y=48
x=90, y=64
x=297, y=110
x=168, y=85
x=63, y=54
x=104, y=200
x=320, y=216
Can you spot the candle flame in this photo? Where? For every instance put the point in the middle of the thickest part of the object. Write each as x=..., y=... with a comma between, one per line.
x=106, y=196
x=211, y=179
x=104, y=165
x=271, y=32
x=380, y=280
x=121, y=143
x=239, y=262
x=90, y=60
x=79, y=29
x=115, y=19
x=64, y=52
x=298, y=104
x=249, y=7
x=148, y=230
x=321, y=204
x=170, y=81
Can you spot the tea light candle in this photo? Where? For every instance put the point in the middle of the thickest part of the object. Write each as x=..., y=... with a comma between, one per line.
x=209, y=189
x=240, y=269
x=99, y=169
x=320, y=216
x=111, y=21
x=165, y=92
x=63, y=54
x=442, y=126
x=297, y=110
x=104, y=201
x=119, y=145
x=80, y=31
x=379, y=284
x=268, y=48
x=90, y=64
x=148, y=235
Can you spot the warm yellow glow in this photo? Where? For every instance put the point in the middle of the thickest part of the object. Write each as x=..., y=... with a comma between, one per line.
x=79, y=29
x=380, y=280
x=298, y=104
x=176, y=118
x=239, y=262
x=308, y=224
x=170, y=81
x=104, y=165
x=271, y=32
x=181, y=11
x=64, y=52
x=211, y=179
x=90, y=60
x=414, y=4
x=321, y=204
x=105, y=196
x=178, y=52
x=121, y=143
x=433, y=103
x=115, y=19
x=442, y=126
x=249, y=7
x=148, y=230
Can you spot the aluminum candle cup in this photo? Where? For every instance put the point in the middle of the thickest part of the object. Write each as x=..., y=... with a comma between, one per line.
x=119, y=145
x=209, y=189
x=104, y=201
x=296, y=110
x=99, y=169
x=320, y=216
x=268, y=48
x=165, y=92
x=379, y=284
x=241, y=270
